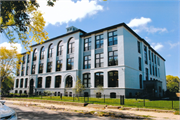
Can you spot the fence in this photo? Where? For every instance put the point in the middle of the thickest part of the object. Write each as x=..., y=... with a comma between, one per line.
x=110, y=100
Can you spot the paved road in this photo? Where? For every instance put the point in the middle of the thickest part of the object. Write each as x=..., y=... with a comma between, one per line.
x=35, y=113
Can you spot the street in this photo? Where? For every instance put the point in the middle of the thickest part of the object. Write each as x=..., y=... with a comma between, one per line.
x=35, y=113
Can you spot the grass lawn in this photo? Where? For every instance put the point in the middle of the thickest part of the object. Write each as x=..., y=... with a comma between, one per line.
x=139, y=103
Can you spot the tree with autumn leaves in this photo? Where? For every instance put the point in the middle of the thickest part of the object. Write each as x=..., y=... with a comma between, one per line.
x=21, y=18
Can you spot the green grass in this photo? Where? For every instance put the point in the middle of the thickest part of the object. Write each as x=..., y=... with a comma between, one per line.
x=139, y=103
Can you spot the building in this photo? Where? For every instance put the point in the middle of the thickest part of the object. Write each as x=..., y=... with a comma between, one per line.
x=114, y=57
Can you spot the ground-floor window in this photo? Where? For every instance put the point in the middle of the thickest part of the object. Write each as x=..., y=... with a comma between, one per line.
x=69, y=81
x=48, y=82
x=58, y=81
x=113, y=79
x=99, y=79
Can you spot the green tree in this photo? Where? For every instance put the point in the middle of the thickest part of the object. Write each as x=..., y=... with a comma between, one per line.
x=7, y=84
x=19, y=18
x=79, y=87
x=173, y=83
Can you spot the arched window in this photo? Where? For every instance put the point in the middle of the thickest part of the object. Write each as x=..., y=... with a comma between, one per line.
x=71, y=45
x=42, y=53
x=58, y=81
x=140, y=81
x=20, y=92
x=21, y=84
x=25, y=92
x=113, y=79
x=26, y=81
x=35, y=55
x=68, y=82
x=99, y=79
x=17, y=82
x=48, y=82
x=39, y=82
x=60, y=49
x=50, y=51
x=16, y=91
x=87, y=80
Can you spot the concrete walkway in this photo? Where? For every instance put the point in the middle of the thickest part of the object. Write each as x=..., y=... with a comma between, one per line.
x=152, y=115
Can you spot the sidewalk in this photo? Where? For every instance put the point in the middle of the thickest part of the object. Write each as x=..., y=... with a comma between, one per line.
x=152, y=115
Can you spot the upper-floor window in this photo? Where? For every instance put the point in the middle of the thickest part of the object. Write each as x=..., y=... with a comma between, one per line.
x=153, y=69
x=22, y=72
x=150, y=69
x=87, y=80
x=41, y=68
x=149, y=56
x=158, y=72
x=33, y=69
x=152, y=57
x=49, y=66
x=71, y=45
x=87, y=44
x=50, y=51
x=99, y=41
x=140, y=63
x=27, y=70
x=42, y=53
x=112, y=38
x=155, y=59
x=28, y=58
x=60, y=48
x=70, y=63
x=87, y=61
x=113, y=58
x=145, y=54
x=24, y=57
x=146, y=73
x=59, y=65
x=35, y=55
x=99, y=60
x=158, y=61
x=139, y=48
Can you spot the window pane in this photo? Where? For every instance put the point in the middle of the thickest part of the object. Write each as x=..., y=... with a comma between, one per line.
x=110, y=34
x=115, y=32
x=97, y=37
x=110, y=53
x=97, y=55
x=115, y=53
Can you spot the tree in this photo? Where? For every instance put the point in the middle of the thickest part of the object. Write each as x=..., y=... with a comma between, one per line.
x=173, y=83
x=9, y=62
x=79, y=87
x=21, y=18
x=7, y=84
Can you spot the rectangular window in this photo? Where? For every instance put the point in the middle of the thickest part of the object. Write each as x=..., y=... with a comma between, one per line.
x=146, y=73
x=113, y=58
x=153, y=69
x=87, y=80
x=140, y=80
x=28, y=59
x=158, y=72
x=70, y=63
x=27, y=70
x=99, y=60
x=140, y=63
x=145, y=55
x=150, y=69
x=21, y=84
x=17, y=72
x=33, y=69
x=158, y=61
x=41, y=68
x=152, y=56
x=155, y=59
x=149, y=56
x=59, y=65
x=60, y=50
x=39, y=82
x=99, y=41
x=22, y=72
x=139, y=48
x=112, y=38
x=87, y=62
x=24, y=57
x=87, y=44
x=49, y=66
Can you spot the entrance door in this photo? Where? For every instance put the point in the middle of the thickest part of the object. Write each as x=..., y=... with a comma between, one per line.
x=31, y=86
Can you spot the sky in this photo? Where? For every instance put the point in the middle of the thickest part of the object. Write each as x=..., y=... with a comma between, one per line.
x=156, y=21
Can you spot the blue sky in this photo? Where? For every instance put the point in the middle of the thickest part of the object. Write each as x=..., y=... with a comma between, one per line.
x=157, y=21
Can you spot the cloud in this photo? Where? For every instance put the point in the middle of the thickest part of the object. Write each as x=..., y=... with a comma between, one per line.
x=157, y=46
x=169, y=55
x=65, y=11
x=138, y=22
x=8, y=46
x=172, y=45
x=141, y=24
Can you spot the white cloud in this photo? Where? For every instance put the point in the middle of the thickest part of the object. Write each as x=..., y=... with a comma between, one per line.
x=65, y=11
x=8, y=46
x=172, y=45
x=157, y=46
x=138, y=22
x=141, y=24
